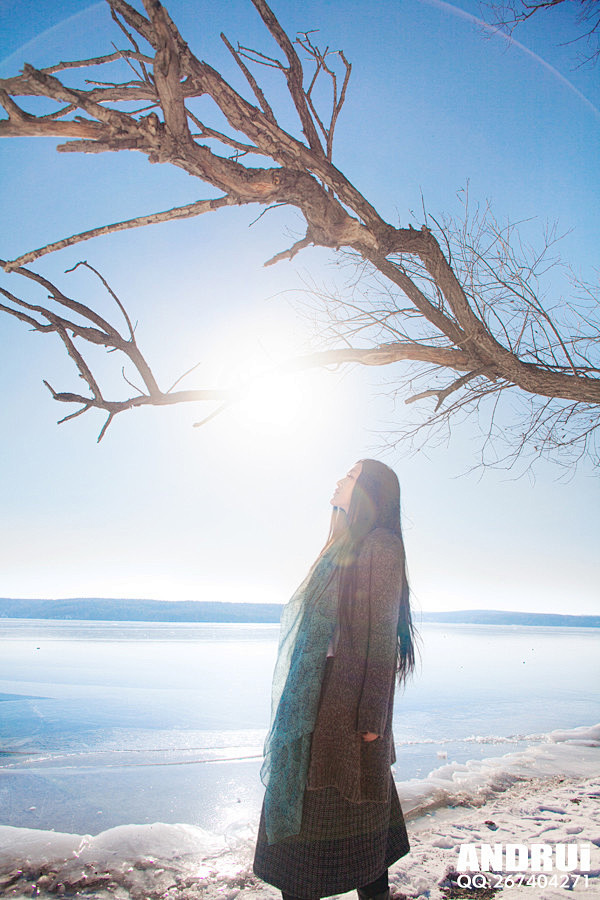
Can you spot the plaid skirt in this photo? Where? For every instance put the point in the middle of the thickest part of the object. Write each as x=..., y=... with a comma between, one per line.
x=341, y=845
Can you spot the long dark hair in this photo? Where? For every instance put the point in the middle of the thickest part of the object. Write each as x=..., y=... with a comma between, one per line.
x=375, y=503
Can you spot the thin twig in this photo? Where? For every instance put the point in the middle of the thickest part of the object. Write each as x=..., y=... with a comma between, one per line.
x=258, y=93
x=110, y=291
x=178, y=212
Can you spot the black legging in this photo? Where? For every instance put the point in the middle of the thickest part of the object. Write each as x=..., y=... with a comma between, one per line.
x=379, y=886
x=376, y=887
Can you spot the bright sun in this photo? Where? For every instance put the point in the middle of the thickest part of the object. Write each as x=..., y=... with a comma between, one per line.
x=281, y=403
x=274, y=402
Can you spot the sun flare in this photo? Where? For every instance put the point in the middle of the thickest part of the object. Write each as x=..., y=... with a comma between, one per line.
x=280, y=403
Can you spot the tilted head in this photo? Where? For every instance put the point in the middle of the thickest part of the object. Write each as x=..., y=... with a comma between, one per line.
x=375, y=500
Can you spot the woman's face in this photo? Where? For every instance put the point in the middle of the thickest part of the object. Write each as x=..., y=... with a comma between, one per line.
x=343, y=492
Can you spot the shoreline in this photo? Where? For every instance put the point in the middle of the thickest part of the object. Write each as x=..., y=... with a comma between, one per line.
x=109, y=611
x=178, y=863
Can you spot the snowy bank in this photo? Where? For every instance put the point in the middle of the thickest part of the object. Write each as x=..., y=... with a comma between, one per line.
x=574, y=754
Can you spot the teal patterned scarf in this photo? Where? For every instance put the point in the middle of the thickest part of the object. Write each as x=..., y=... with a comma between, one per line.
x=307, y=625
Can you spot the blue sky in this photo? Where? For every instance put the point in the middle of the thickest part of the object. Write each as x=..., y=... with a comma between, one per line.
x=238, y=509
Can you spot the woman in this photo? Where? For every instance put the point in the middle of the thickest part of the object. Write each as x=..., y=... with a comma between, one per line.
x=331, y=819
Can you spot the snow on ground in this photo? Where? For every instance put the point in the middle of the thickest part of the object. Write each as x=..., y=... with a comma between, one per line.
x=550, y=811
x=183, y=862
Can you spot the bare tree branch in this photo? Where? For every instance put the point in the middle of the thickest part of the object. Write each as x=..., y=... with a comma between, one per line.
x=289, y=254
x=97, y=61
x=178, y=212
x=461, y=310
x=294, y=75
x=258, y=93
x=509, y=14
x=445, y=392
x=320, y=59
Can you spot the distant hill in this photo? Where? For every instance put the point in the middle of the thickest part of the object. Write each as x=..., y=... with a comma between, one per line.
x=506, y=617
x=110, y=610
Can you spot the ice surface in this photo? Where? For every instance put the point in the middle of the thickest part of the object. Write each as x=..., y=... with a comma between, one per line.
x=549, y=789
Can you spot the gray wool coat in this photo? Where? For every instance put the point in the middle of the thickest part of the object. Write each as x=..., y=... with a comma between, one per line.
x=358, y=689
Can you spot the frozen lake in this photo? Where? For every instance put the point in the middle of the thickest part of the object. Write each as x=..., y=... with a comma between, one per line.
x=110, y=723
